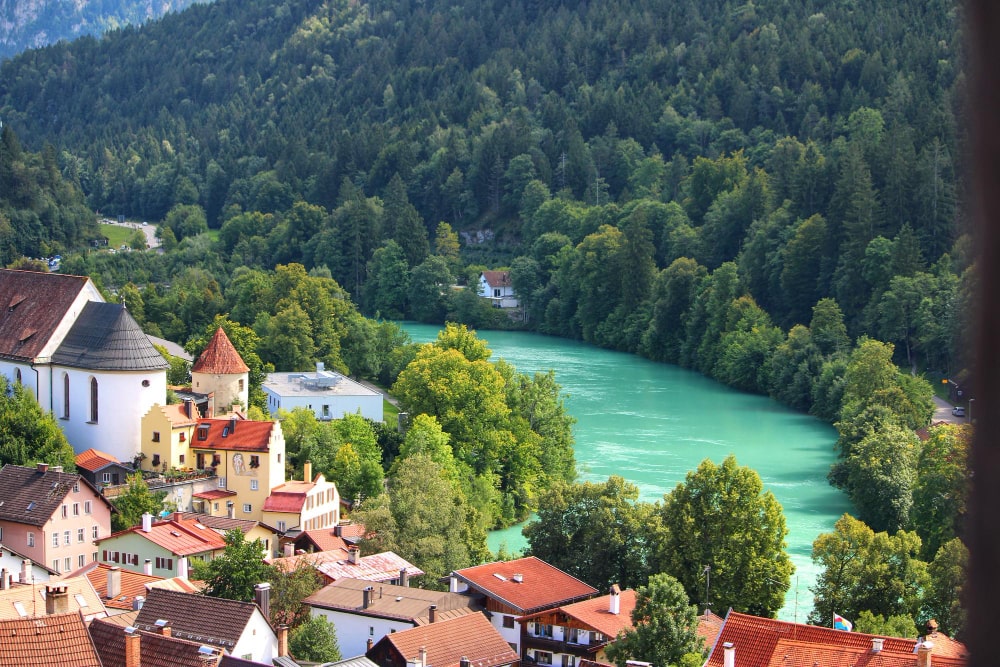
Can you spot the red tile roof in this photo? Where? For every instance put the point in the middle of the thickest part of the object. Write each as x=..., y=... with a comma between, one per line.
x=214, y=494
x=220, y=357
x=32, y=305
x=765, y=641
x=288, y=497
x=324, y=539
x=595, y=613
x=542, y=586
x=177, y=415
x=133, y=584
x=497, y=278
x=447, y=642
x=181, y=538
x=241, y=435
x=709, y=627
x=60, y=640
x=93, y=460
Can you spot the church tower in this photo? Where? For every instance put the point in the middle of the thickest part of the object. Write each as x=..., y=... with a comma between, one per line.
x=220, y=370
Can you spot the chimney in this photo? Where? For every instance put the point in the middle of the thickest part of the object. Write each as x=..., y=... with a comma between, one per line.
x=877, y=644
x=307, y=471
x=464, y=662
x=924, y=650
x=56, y=600
x=404, y=577
x=147, y=567
x=4, y=585
x=114, y=582
x=432, y=613
x=182, y=567
x=188, y=403
x=453, y=584
x=288, y=549
x=43, y=467
x=615, y=604
x=232, y=425
x=338, y=530
x=282, y=641
x=369, y=644
x=57, y=468
x=133, y=651
x=230, y=509
x=366, y=597
x=729, y=655
x=25, y=571
x=423, y=656
x=162, y=626
x=138, y=602
x=262, y=596
x=353, y=553
x=518, y=578
x=320, y=366
x=147, y=522
x=209, y=656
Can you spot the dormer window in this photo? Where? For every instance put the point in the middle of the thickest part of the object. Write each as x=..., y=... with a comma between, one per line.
x=203, y=431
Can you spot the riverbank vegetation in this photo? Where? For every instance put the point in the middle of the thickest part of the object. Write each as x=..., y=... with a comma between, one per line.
x=771, y=195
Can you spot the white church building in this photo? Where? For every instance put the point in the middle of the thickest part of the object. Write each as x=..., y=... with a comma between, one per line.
x=85, y=360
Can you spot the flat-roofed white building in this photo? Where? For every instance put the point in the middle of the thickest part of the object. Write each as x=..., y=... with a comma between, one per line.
x=328, y=394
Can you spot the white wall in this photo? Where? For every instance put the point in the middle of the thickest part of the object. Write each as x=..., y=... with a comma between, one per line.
x=510, y=635
x=258, y=640
x=370, y=406
x=122, y=401
x=354, y=630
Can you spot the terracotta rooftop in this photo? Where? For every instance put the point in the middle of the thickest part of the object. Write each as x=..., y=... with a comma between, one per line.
x=132, y=584
x=233, y=434
x=447, y=642
x=32, y=305
x=214, y=494
x=220, y=357
x=323, y=539
x=176, y=414
x=93, y=460
x=155, y=650
x=765, y=641
x=595, y=613
x=709, y=627
x=542, y=586
x=106, y=337
x=30, y=496
x=212, y=621
x=181, y=538
x=60, y=640
x=335, y=565
x=27, y=600
x=497, y=278
x=391, y=601
x=288, y=497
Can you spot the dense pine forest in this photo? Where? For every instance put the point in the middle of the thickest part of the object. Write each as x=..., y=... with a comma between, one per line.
x=771, y=193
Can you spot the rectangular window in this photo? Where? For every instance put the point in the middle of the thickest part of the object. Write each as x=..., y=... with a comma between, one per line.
x=81, y=560
x=543, y=630
x=254, y=461
x=164, y=563
x=80, y=533
x=508, y=621
x=568, y=660
x=76, y=488
x=222, y=482
x=94, y=532
x=66, y=540
x=65, y=511
x=280, y=527
x=55, y=564
x=93, y=556
x=181, y=458
x=68, y=562
x=55, y=540
x=543, y=657
x=247, y=508
x=86, y=507
x=107, y=478
x=182, y=437
x=31, y=539
x=156, y=459
x=76, y=509
x=203, y=432
x=216, y=459
x=254, y=485
x=156, y=436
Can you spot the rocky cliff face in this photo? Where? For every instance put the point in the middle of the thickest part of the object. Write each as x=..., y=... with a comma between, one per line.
x=26, y=24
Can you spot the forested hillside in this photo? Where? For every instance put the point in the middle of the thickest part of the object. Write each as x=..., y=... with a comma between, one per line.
x=26, y=24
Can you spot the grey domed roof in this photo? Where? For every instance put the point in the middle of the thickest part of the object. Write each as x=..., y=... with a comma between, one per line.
x=106, y=337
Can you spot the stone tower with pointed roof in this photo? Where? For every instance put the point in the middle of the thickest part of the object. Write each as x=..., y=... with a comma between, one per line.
x=221, y=372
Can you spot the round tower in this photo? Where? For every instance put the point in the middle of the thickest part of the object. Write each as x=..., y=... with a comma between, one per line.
x=220, y=370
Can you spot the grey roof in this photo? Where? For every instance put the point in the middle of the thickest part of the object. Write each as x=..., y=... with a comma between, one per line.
x=320, y=383
x=391, y=601
x=200, y=618
x=105, y=337
x=30, y=496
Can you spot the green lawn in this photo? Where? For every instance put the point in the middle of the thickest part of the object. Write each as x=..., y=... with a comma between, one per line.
x=116, y=235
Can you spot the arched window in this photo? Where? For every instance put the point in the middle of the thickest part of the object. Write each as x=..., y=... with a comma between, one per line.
x=93, y=400
x=65, y=395
x=18, y=375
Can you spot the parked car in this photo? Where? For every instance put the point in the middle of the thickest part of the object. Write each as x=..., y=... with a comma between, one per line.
x=958, y=411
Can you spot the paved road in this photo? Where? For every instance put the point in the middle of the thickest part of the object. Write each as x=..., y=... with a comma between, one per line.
x=942, y=412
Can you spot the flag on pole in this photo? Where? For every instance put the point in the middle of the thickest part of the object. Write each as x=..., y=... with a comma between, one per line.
x=841, y=623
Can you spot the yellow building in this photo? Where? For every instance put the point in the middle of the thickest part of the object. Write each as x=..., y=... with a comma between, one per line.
x=247, y=457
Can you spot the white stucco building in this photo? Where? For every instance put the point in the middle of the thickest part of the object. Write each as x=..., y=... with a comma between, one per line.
x=328, y=394
x=86, y=361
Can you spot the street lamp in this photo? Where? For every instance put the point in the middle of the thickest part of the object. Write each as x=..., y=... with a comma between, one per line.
x=971, y=401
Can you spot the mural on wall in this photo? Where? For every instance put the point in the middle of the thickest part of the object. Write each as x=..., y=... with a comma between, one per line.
x=243, y=468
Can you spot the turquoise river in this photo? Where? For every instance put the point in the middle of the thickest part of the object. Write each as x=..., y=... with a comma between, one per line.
x=651, y=423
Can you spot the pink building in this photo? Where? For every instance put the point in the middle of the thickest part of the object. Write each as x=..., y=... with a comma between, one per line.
x=52, y=517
